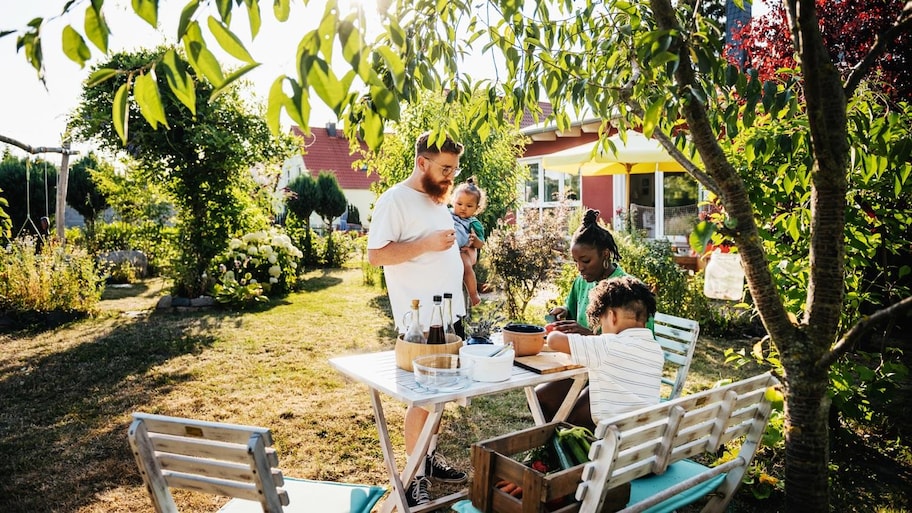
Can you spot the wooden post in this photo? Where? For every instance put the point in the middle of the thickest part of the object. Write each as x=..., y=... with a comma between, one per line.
x=62, y=179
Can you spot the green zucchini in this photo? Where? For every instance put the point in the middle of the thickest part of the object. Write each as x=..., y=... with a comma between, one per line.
x=576, y=449
x=562, y=457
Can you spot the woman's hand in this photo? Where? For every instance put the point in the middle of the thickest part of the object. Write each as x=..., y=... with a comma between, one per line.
x=559, y=312
x=571, y=327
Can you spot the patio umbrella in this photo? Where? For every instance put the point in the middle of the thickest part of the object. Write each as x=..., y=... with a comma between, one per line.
x=638, y=156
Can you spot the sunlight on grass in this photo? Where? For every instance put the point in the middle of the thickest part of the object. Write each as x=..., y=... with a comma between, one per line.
x=67, y=394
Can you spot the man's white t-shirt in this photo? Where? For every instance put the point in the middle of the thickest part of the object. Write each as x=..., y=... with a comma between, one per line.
x=403, y=214
x=625, y=370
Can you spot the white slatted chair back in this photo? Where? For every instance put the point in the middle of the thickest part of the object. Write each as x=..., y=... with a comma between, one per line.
x=678, y=338
x=210, y=457
x=659, y=439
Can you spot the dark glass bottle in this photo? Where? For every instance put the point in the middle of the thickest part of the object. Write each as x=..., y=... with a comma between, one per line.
x=449, y=322
x=436, y=334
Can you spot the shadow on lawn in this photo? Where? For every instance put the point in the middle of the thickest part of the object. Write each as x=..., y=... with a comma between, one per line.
x=59, y=437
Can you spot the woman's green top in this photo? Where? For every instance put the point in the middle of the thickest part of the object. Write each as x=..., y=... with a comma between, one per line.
x=578, y=299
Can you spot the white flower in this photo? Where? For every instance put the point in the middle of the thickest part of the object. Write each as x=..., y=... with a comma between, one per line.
x=273, y=280
x=234, y=244
x=275, y=271
x=272, y=258
x=252, y=249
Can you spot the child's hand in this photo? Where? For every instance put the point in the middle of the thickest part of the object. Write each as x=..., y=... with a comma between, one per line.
x=474, y=241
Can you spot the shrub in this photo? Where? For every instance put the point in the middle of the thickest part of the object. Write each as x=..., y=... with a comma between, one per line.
x=335, y=249
x=57, y=278
x=266, y=258
x=523, y=259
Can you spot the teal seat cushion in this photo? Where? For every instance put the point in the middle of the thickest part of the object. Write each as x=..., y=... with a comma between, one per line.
x=323, y=496
x=465, y=506
x=646, y=486
x=676, y=473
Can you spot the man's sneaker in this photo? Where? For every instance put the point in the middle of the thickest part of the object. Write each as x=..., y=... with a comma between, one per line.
x=417, y=493
x=439, y=470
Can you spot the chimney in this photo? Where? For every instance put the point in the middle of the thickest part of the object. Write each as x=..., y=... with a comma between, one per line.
x=331, y=129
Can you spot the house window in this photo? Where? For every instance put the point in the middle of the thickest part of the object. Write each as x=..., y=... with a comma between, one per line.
x=531, y=190
x=549, y=188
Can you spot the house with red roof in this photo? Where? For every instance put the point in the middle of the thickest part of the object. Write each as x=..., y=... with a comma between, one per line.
x=327, y=149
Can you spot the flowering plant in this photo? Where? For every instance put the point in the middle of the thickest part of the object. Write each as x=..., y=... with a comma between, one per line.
x=265, y=260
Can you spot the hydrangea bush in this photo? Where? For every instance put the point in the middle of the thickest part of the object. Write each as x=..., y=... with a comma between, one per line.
x=260, y=262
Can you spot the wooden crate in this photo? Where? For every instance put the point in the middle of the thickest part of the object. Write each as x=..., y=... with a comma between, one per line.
x=493, y=462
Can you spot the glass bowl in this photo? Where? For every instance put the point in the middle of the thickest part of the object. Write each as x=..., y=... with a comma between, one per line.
x=442, y=372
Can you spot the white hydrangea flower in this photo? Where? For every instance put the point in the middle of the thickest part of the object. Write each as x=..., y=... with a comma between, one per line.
x=275, y=271
x=234, y=244
x=272, y=258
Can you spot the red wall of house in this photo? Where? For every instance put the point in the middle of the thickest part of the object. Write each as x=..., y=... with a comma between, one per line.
x=598, y=192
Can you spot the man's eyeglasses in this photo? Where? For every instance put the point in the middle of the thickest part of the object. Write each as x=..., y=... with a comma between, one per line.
x=447, y=170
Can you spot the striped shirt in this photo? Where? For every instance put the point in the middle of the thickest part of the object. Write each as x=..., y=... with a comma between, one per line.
x=625, y=370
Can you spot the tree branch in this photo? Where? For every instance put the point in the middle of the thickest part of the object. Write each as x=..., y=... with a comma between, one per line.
x=861, y=69
x=860, y=329
x=36, y=149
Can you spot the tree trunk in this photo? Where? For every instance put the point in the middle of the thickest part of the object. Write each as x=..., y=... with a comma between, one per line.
x=807, y=439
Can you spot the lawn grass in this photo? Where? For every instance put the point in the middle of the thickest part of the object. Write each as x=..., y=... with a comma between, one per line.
x=66, y=395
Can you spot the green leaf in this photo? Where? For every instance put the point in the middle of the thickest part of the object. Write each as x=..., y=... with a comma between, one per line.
x=327, y=86
x=228, y=41
x=96, y=28
x=395, y=66
x=651, y=120
x=231, y=78
x=147, y=10
x=74, y=46
x=201, y=59
x=281, y=8
x=119, y=111
x=179, y=80
x=100, y=75
x=385, y=102
x=700, y=236
x=372, y=125
x=277, y=99
x=185, y=17
x=145, y=92
x=253, y=15
x=224, y=9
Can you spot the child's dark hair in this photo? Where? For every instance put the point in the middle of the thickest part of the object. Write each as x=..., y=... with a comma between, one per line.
x=469, y=186
x=592, y=234
x=626, y=293
x=424, y=145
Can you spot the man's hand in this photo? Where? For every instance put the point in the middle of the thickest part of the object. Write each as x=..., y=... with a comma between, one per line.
x=441, y=240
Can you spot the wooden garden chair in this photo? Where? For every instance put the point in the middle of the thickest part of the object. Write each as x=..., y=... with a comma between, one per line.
x=678, y=338
x=650, y=447
x=234, y=461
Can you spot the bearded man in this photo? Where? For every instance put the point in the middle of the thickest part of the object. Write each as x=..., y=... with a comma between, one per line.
x=412, y=236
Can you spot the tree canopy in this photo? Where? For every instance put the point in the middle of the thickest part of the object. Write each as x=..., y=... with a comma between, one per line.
x=203, y=155
x=653, y=65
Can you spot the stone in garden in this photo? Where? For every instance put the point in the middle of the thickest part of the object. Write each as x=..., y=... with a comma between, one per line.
x=136, y=259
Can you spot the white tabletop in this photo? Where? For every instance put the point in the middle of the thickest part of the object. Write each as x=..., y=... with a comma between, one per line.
x=379, y=371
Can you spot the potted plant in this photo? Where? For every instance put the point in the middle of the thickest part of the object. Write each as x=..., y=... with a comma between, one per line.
x=479, y=327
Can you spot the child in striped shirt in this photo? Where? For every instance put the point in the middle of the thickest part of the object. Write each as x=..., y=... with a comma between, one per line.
x=625, y=362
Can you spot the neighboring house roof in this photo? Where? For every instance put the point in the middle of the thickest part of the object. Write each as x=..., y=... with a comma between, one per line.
x=326, y=149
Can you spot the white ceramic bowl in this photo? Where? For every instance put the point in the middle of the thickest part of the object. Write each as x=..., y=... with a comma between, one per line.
x=484, y=366
x=442, y=372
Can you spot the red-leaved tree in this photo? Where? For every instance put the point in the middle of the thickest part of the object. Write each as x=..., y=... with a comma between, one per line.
x=849, y=29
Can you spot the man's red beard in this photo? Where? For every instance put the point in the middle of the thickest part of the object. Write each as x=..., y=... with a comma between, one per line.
x=438, y=191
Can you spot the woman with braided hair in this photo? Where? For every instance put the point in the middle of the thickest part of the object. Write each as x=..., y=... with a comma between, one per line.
x=596, y=254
